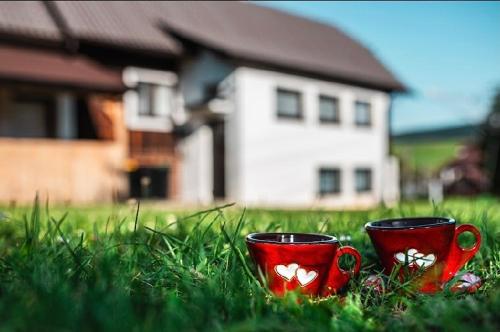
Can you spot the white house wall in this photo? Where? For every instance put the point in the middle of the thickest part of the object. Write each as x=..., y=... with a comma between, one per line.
x=197, y=149
x=197, y=166
x=390, y=190
x=279, y=159
x=233, y=131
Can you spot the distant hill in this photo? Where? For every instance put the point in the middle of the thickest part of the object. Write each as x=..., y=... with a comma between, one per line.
x=428, y=150
x=460, y=133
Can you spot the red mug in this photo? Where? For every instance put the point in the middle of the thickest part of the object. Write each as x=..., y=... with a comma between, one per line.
x=428, y=245
x=308, y=263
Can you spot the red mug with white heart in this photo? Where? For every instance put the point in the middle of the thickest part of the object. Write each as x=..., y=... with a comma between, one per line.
x=426, y=247
x=308, y=263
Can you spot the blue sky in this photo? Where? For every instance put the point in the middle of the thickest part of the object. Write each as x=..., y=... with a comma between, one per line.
x=447, y=53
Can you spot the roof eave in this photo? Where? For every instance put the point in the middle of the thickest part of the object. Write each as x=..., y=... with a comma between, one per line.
x=89, y=87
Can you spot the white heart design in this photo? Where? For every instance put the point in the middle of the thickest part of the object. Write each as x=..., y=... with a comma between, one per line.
x=412, y=252
x=400, y=257
x=426, y=261
x=286, y=272
x=415, y=258
x=305, y=278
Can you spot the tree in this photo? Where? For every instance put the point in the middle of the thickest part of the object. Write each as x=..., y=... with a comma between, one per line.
x=491, y=144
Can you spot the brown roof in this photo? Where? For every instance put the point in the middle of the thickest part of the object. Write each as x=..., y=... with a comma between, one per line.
x=28, y=19
x=272, y=37
x=35, y=65
x=120, y=23
x=243, y=31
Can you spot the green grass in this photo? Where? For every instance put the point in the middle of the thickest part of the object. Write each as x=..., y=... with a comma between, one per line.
x=427, y=157
x=100, y=268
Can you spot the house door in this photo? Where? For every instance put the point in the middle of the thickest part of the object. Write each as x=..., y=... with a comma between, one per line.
x=149, y=183
x=219, y=168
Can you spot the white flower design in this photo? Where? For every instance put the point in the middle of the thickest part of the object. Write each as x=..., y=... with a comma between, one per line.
x=415, y=259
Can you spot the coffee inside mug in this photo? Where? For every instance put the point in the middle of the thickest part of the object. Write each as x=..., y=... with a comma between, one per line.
x=409, y=223
x=291, y=238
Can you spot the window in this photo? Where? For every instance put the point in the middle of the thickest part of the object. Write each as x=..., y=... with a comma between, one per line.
x=329, y=109
x=146, y=98
x=29, y=117
x=363, y=179
x=363, y=114
x=289, y=104
x=36, y=113
x=329, y=181
x=154, y=99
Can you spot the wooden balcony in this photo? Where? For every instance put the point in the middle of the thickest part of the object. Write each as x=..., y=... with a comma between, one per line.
x=157, y=150
x=160, y=146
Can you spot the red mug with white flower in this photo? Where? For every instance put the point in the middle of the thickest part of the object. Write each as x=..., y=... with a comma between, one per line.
x=307, y=263
x=427, y=247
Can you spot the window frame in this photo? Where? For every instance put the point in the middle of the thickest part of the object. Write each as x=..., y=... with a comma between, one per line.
x=370, y=115
x=336, y=100
x=300, y=114
x=335, y=191
x=368, y=171
x=162, y=121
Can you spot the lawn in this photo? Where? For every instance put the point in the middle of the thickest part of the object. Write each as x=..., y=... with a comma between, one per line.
x=110, y=268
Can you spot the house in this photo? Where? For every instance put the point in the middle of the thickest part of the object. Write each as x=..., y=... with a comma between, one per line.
x=465, y=175
x=192, y=102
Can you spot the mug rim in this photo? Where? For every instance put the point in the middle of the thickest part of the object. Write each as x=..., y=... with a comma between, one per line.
x=433, y=222
x=325, y=239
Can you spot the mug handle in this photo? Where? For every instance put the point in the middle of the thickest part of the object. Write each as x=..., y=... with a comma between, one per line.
x=458, y=256
x=338, y=277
